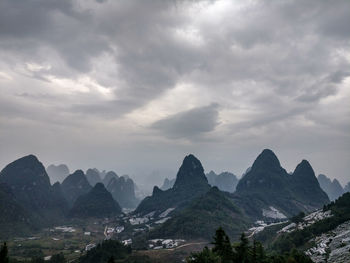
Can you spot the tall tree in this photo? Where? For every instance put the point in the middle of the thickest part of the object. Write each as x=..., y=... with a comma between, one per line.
x=243, y=249
x=4, y=254
x=222, y=246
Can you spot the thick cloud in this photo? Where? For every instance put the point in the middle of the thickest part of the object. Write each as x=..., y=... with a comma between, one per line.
x=104, y=83
x=189, y=123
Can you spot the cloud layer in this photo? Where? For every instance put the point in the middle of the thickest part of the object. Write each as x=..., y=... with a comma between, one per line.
x=135, y=85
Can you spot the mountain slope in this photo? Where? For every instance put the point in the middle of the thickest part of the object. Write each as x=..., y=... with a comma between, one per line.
x=190, y=183
x=325, y=238
x=332, y=188
x=14, y=218
x=267, y=190
x=305, y=187
x=98, y=202
x=203, y=216
x=30, y=184
x=74, y=186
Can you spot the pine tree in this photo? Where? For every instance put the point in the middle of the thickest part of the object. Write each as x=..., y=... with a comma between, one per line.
x=111, y=260
x=243, y=250
x=4, y=254
x=222, y=246
x=206, y=256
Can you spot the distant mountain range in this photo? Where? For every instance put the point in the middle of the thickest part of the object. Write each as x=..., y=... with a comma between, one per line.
x=93, y=176
x=57, y=173
x=266, y=192
x=190, y=208
x=123, y=191
x=78, y=183
x=225, y=181
x=347, y=188
x=167, y=184
x=332, y=188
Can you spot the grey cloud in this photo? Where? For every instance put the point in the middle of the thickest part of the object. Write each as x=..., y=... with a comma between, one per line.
x=189, y=123
x=272, y=64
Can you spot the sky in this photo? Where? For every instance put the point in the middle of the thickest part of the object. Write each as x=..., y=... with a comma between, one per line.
x=135, y=86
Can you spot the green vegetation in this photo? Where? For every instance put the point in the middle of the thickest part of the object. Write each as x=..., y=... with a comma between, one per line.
x=4, y=254
x=104, y=251
x=242, y=252
x=98, y=202
x=203, y=216
x=341, y=213
x=112, y=251
x=268, y=184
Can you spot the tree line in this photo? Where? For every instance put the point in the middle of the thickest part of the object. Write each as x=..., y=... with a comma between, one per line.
x=224, y=251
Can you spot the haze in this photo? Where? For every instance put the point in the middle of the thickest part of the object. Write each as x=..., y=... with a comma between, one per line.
x=135, y=86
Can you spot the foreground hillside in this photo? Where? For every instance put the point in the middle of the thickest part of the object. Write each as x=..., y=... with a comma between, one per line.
x=203, y=216
x=323, y=234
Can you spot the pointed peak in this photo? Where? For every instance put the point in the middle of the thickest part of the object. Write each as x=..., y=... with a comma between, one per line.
x=191, y=172
x=156, y=190
x=191, y=162
x=266, y=159
x=304, y=168
x=304, y=164
x=191, y=159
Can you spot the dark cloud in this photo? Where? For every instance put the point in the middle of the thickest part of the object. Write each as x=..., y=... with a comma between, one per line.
x=189, y=123
x=110, y=70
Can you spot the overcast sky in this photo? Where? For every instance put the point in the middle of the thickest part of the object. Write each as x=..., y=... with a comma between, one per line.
x=134, y=86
